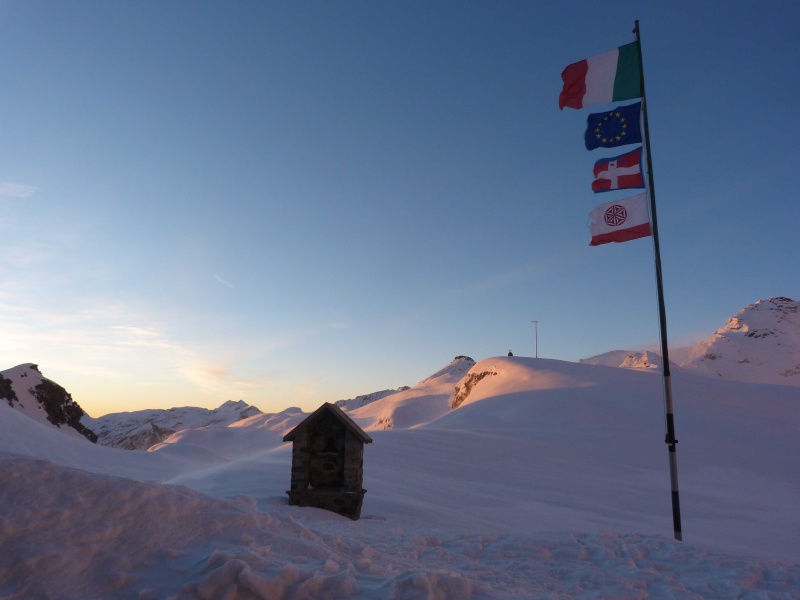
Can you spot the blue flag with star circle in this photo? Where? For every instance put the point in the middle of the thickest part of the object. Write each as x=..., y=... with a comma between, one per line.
x=612, y=128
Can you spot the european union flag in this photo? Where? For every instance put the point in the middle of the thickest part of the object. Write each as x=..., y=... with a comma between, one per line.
x=616, y=127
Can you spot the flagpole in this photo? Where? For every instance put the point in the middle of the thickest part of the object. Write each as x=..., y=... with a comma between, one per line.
x=662, y=314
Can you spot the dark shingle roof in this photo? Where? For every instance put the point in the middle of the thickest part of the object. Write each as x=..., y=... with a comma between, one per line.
x=334, y=411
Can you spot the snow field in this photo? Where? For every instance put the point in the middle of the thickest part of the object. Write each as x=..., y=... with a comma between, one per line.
x=93, y=535
x=549, y=481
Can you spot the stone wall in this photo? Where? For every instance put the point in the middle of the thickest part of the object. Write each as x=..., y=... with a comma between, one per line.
x=328, y=470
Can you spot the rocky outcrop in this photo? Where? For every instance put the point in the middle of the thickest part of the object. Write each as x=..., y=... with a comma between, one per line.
x=642, y=360
x=467, y=384
x=7, y=391
x=26, y=389
x=61, y=409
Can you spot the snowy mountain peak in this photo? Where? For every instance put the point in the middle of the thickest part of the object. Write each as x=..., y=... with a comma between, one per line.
x=235, y=405
x=459, y=365
x=612, y=358
x=27, y=390
x=763, y=318
x=422, y=403
x=139, y=430
x=365, y=399
x=759, y=344
x=642, y=360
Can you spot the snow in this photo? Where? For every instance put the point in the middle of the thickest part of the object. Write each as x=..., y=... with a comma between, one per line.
x=760, y=344
x=549, y=480
x=141, y=429
x=23, y=379
x=424, y=402
x=643, y=360
x=612, y=358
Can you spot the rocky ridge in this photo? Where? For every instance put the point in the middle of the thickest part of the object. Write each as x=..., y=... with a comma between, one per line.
x=25, y=388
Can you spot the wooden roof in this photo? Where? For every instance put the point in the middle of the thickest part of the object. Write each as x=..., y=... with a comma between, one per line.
x=336, y=412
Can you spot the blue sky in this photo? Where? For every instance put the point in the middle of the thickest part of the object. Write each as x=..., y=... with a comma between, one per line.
x=293, y=203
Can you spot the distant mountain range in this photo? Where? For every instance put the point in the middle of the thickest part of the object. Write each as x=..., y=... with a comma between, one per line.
x=365, y=399
x=141, y=429
x=760, y=344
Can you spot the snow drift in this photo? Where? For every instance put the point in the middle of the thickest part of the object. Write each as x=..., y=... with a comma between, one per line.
x=550, y=478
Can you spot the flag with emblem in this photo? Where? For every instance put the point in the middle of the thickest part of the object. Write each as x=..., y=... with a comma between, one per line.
x=609, y=78
x=613, y=76
x=617, y=127
x=620, y=221
x=618, y=173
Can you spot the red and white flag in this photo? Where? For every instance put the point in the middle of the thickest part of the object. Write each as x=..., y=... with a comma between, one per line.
x=619, y=173
x=620, y=221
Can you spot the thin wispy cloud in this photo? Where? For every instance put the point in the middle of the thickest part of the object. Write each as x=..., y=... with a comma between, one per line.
x=223, y=281
x=115, y=341
x=338, y=320
x=141, y=336
x=216, y=377
x=17, y=190
x=28, y=255
x=508, y=276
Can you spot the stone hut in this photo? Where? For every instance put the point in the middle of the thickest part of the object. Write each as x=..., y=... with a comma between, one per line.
x=328, y=462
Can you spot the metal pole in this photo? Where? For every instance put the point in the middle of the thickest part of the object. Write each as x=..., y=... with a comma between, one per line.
x=662, y=314
x=536, y=329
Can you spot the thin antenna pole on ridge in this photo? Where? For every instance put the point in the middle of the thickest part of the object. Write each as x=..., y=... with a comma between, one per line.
x=662, y=313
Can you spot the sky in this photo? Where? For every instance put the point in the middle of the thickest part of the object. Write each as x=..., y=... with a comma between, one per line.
x=294, y=203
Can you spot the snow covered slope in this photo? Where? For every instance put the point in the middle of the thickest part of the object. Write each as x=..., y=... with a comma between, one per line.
x=613, y=358
x=25, y=389
x=760, y=344
x=141, y=429
x=427, y=400
x=550, y=479
x=643, y=360
x=365, y=399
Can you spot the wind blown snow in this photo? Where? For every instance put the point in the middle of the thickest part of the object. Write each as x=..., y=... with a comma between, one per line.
x=549, y=479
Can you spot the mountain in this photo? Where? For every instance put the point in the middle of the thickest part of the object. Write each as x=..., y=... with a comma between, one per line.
x=759, y=344
x=642, y=360
x=365, y=399
x=549, y=479
x=511, y=477
x=429, y=399
x=613, y=358
x=27, y=390
x=139, y=430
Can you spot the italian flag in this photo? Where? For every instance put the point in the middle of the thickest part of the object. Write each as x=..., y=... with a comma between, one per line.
x=609, y=77
x=620, y=221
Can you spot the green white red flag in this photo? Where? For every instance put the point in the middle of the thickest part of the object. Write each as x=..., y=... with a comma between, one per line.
x=620, y=221
x=609, y=77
